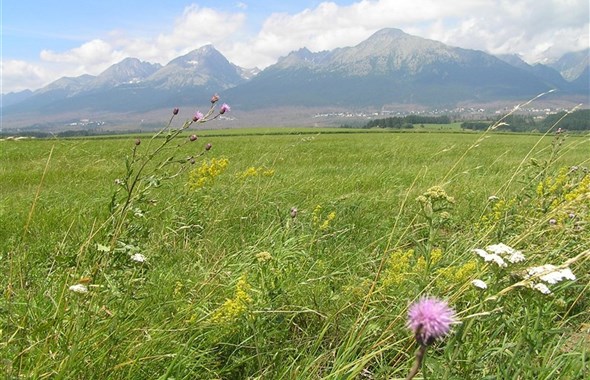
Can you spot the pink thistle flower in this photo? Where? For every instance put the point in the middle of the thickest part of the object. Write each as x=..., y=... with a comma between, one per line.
x=198, y=116
x=224, y=108
x=430, y=319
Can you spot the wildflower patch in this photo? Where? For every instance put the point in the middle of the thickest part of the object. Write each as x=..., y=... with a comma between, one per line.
x=206, y=173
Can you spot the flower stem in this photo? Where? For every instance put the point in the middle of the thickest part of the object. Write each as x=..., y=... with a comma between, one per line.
x=418, y=362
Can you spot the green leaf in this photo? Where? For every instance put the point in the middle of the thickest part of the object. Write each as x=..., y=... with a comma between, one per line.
x=102, y=248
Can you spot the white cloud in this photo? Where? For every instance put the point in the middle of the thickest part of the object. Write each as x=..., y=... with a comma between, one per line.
x=20, y=75
x=536, y=30
x=91, y=52
x=90, y=58
x=194, y=28
x=200, y=26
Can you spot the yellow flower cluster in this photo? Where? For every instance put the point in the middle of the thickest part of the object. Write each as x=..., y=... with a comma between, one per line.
x=581, y=191
x=564, y=194
x=500, y=210
x=235, y=307
x=331, y=216
x=315, y=215
x=435, y=256
x=206, y=173
x=553, y=185
x=263, y=257
x=402, y=266
x=456, y=274
x=318, y=221
x=397, y=268
x=256, y=172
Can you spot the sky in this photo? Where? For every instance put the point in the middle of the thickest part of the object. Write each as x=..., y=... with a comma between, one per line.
x=44, y=40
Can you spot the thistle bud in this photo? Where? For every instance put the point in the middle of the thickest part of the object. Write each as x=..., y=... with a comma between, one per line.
x=198, y=116
x=224, y=108
x=208, y=146
x=137, y=141
x=193, y=137
x=175, y=111
x=214, y=99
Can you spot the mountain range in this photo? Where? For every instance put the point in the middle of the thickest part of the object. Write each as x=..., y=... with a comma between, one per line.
x=389, y=68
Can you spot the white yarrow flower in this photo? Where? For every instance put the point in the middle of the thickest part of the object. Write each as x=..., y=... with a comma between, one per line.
x=79, y=288
x=511, y=254
x=138, y=258
x=552, y=274
x=479, y=284
x=499, y=249
x=490, y=257
x=515, y=257
x=542, y=288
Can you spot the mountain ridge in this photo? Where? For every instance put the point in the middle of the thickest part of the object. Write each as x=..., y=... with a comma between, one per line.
x=390, y=67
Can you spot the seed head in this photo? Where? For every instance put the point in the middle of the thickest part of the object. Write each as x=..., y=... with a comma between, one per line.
x=208, y=146
x=193, y=138
x=214, y=99
x=137, y=141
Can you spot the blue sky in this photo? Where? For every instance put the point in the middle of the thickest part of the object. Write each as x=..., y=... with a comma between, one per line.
x=44, y=40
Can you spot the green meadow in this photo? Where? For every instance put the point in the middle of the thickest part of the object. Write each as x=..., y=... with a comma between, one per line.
x=292, y=254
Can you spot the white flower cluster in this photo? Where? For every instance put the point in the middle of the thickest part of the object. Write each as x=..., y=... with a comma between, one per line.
x=479, y=284
x=138, y=258
x=79, y=288
x=549, y=274
x=499, y=254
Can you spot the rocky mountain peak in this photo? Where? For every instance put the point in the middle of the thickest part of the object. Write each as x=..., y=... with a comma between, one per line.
x=198, y=68
x=129, y=70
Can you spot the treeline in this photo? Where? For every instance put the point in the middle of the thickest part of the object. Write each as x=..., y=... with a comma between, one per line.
x=68, y=133
x=576, y=121
x=406, y=121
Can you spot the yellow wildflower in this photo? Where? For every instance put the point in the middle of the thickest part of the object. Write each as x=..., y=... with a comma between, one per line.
x=255, y=172
x=263, y=257
x=235, y=307
x=397, y=268
x=206, y=173
x=331, y=216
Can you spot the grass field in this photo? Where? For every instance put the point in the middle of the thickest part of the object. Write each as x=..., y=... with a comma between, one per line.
x=207, y=272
